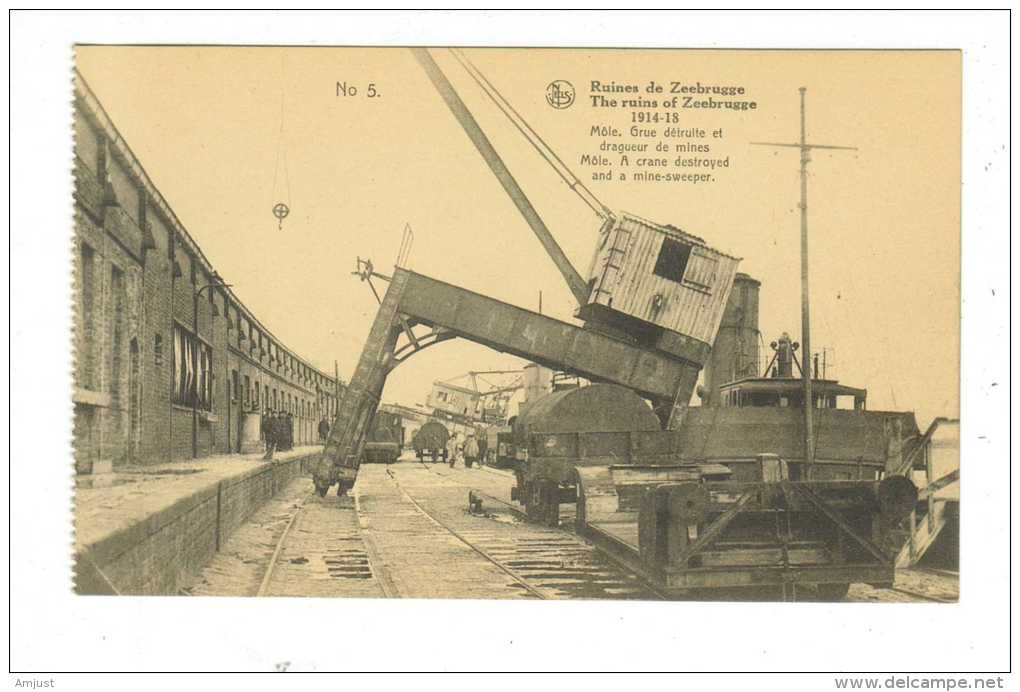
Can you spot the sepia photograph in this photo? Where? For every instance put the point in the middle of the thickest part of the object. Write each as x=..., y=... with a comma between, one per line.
x=491, y=309
x=575, y=339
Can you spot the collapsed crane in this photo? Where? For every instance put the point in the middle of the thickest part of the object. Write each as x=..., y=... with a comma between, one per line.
x=651, y=304
x=747, y=515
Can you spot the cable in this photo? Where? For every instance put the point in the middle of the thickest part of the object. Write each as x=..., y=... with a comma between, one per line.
x=544, y=150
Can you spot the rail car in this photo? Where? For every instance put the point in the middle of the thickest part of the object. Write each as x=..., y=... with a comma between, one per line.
x=430, y=441
x=385, y=440
x=585, y=426
x=689, y=534
x=726, y=501
x=499, y=446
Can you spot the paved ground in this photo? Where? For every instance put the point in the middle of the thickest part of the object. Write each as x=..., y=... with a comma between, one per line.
x=422, y=558
x=407, y=533
x=238, y=569
x=915, y=584
x=132, y=494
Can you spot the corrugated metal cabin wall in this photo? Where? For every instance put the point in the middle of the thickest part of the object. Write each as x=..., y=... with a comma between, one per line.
x=640, y=248
x=727, y=274
x=598, y=258
x=632, y=286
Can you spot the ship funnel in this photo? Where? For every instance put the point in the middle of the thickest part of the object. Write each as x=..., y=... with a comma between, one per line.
x=735, y=351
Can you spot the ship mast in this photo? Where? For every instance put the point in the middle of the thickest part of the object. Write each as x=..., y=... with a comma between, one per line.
x=805, y=305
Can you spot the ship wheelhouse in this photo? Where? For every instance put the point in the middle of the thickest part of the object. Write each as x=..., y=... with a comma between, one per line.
x=788, y=391
x=783, y=388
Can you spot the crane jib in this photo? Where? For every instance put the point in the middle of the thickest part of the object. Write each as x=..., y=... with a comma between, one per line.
x=578, y=286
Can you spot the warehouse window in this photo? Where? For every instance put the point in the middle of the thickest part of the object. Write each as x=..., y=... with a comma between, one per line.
x=192, y=360
x=672, y=262
x=157, y=350
x=87, y=292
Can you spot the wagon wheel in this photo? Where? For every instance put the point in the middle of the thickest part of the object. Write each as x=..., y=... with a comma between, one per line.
x=541, y=502
x=551, y=503
x=531, y=501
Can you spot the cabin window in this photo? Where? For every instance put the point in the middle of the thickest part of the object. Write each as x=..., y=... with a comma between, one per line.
x=672, y=262
x=701, y=272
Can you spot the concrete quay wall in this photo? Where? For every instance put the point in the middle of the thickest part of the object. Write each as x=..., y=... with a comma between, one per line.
x=157, y=553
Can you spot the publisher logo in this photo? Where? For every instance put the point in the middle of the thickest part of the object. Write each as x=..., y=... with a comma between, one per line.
x=560, y=94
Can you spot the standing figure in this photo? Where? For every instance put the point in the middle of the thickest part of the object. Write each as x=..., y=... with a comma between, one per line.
x=270, y=432
x=470, y=451
x=323, y=429
x=451, y=449
x=483, y=449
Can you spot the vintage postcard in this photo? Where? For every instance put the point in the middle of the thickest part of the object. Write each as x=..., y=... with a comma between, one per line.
x=517, y=323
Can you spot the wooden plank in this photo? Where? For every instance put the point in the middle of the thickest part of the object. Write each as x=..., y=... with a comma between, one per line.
x=922, y=536
x=763, y=556
x=807, y=492
x=714, y=529
x=626, y=532
x=935, y=486
x=716, y=577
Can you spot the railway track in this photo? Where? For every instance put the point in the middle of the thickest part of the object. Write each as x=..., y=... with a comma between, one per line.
x=651, y=591
x=948, y=591
x=514, y=575
x=401, y=537
x=534, y=562
x=407, y=533
x=503, y=504
x=267, y=577
x=322, y=552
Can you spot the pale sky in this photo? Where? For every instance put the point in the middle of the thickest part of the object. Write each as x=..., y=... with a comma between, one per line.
x=884, y=221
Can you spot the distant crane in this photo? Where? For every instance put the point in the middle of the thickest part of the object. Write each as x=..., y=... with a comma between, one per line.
x=501, y=392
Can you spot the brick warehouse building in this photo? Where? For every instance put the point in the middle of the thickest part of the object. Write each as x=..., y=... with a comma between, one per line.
x=148, y=388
